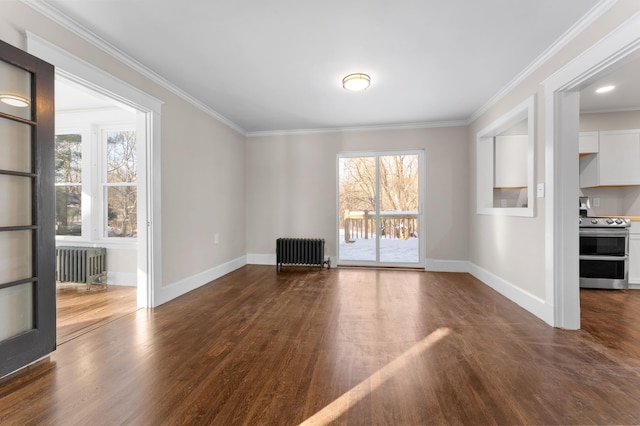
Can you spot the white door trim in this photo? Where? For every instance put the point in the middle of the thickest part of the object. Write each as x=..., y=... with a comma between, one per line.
x=79, y=71
x=561, y=228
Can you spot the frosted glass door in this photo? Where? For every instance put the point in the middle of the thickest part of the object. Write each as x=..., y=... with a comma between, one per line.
x=27, y=274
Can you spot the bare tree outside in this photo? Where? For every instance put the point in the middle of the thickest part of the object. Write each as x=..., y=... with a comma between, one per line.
x=68, y=180
x=120, y=188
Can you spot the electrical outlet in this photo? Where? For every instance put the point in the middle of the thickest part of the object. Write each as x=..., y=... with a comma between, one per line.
x=596, y=202
x=216, y=239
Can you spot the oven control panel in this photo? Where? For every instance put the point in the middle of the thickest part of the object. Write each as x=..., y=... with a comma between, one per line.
x=604, y=222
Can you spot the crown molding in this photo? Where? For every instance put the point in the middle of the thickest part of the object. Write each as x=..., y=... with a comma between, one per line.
x=84, y=33
x=400, y=126
x=596, y=12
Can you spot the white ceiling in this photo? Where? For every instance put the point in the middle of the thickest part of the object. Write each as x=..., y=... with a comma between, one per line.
x=625, y=76
x=277, y=65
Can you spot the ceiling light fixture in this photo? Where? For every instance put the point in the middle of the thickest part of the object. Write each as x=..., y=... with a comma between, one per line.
x=16, y=101
x=605, y=89
x=356, y=82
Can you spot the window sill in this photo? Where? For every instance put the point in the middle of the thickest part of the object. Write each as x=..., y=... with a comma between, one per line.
x=129, y=244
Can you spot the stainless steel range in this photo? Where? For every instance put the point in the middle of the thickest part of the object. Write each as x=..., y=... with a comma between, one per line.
x=604, y=252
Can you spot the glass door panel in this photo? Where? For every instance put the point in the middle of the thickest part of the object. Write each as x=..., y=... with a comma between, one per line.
x=15, y=91
x=15, y=146
x=15, y=200
x=16, y=304
x=399, y=178
x=16, y=252
x=357, y=207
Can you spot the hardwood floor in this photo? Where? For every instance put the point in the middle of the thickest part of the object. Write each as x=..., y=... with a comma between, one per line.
x=79, y=311
x=341, y=346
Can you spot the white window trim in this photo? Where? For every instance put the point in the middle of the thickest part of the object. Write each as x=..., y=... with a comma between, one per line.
x=102, y=184
x=85, y=134
x=94, y=207
x=485, y=165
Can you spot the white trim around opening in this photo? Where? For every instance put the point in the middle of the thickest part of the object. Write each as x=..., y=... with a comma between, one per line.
x=561, y=171
x=148, y=122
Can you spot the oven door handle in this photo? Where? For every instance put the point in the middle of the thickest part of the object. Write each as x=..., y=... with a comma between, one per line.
x=607, y=258
x=604, y=232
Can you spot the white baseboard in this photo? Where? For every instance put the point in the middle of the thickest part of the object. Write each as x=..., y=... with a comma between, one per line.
x=437, y=265
x=186, y=285
x=270, y=259
x=122, y=278
x=522, y=298
x=261, y=259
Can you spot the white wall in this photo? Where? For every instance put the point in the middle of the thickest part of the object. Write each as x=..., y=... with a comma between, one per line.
x=202, y=166
x=291, y=186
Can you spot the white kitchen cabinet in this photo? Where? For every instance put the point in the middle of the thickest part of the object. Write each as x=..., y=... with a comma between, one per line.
x=617, y=162
x=510, y=161
x=588, y=142
x=619, y=157
x=634, y=253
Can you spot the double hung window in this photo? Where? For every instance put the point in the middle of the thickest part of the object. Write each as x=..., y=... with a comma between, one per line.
x=96, y=185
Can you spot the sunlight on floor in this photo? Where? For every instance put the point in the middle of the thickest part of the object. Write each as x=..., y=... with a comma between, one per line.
x=341, y=405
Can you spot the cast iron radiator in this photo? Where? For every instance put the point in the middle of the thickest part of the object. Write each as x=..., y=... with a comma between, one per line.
x=300, y=251
x=81, y=265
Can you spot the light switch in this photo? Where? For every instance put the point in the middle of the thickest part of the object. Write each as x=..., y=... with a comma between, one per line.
x=541, y=190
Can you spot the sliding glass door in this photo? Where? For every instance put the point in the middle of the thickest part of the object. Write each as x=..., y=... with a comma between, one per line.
x=379, y=209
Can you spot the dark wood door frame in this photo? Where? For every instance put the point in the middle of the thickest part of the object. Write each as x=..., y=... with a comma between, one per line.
x=23, y=349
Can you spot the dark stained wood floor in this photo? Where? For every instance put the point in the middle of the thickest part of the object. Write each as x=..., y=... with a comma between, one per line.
x=79, y=311
x=341, y=346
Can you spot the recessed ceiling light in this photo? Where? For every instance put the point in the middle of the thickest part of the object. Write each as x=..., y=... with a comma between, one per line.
x=355, y=82
x=16, y=101
x=605, y=89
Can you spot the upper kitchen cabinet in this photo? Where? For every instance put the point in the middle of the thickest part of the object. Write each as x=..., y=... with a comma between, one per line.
x=589, y=142
x=617, y=162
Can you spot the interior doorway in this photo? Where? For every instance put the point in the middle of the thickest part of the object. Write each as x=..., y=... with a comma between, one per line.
x=97, y=149
x=379, y=208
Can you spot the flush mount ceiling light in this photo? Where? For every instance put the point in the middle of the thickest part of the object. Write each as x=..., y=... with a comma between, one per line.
x=16, y=101
x=605, y=89
x=356, y=82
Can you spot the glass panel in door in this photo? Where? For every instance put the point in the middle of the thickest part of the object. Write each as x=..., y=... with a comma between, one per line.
x=357, y=207
x=399, y=201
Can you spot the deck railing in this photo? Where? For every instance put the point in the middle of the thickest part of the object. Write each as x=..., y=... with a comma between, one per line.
x=393, y=224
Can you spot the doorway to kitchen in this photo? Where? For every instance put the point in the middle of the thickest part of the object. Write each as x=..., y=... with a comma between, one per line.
x=380, y=209
x=562, y=109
